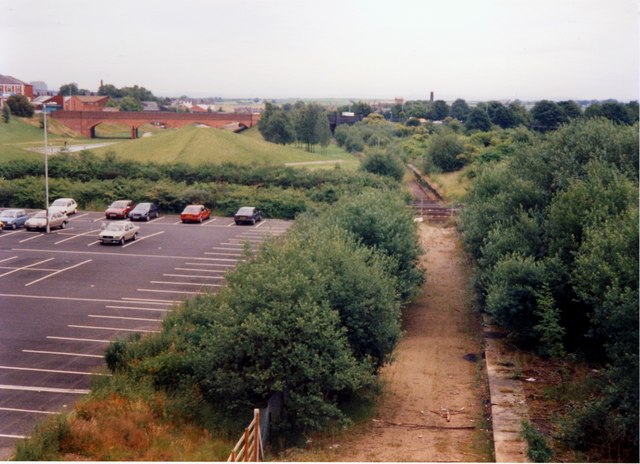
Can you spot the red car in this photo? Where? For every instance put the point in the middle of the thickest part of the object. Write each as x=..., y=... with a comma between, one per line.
x=195, y=213
x=119, y=209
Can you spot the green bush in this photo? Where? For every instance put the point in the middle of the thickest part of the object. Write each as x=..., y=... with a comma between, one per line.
x=537, y=448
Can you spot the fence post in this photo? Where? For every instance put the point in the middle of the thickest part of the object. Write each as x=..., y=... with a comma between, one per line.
x=257, y=441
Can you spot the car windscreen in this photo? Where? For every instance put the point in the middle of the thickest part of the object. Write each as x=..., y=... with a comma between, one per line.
x=40, y=214
x=119, y=204
x=192, y=209
x=245, y=211
x=8, y=214
x=142, y=207
x=59, y=203
x=115, y=227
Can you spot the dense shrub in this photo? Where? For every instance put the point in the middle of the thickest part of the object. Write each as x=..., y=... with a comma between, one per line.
x=383, y=163
x=311, y=318
x=554, y=231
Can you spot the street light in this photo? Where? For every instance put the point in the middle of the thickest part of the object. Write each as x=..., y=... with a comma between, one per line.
x=46, y=168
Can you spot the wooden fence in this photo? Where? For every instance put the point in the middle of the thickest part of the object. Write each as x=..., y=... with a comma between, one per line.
x=249, y=447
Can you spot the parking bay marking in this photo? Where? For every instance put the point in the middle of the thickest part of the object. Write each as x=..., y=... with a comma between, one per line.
x=111, y=328
x=193, y=276
x=139, y=309
x=76, y=236
x=71, y=339
x=58, y=272
x=184, y=283
x=60, y=353
x=30, y=411
x=26, y=267
x=125, y=318
x=143, y=238
x=75, y=391
x=51, y=371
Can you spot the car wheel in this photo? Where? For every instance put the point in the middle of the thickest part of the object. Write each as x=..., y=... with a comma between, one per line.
x=253, y=222
x=14, y=226
x=63, y=225
x=135, y=236
x=122, y=241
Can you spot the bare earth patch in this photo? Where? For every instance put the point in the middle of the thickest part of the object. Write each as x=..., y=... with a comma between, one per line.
x=432, y=406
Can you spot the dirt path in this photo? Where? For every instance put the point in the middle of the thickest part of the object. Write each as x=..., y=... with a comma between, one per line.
x=430, y=374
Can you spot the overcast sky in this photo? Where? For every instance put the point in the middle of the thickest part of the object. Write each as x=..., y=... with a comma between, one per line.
x=471, y=49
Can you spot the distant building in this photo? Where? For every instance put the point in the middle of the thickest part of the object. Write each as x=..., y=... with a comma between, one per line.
x=150, y=106
x=51, y=103
x=83, y=103
x=10, y=86
x=40, y=88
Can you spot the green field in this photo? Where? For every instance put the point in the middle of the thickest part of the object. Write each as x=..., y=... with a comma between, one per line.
x=192, y=145
x=195, y=145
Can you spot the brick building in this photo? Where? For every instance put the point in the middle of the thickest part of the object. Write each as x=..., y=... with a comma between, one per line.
x=82, y=103
x=10, y=86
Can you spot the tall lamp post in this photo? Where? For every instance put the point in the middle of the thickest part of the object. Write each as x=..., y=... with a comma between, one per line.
x=46, y=167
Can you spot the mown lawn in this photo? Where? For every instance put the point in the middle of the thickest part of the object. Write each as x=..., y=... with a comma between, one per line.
x=195, y=145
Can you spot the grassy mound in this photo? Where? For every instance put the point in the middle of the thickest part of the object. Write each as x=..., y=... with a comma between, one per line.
x=196, y=145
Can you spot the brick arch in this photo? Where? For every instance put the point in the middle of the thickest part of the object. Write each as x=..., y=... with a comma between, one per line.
x=86, y=121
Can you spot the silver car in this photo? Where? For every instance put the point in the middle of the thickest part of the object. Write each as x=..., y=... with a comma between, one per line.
x=64, y=205
x=39, y=220
x=118, y=232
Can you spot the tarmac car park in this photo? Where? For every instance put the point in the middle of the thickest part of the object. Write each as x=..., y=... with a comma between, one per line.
x=64, y=297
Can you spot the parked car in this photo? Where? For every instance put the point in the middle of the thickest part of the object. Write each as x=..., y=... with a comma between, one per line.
x=119, y=209
x=248, y=215
x=144, y=212
x=195, y=213
x=118, y=232
x=13, y=218
x=39, y=220
x=64, y=205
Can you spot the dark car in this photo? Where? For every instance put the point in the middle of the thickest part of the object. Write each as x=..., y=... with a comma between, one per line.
x=247, y=215
x=144, y=212
x=13, y=218
x=119, y=209
x=195, y=213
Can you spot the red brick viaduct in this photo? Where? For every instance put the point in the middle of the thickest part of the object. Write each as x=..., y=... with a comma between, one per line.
x=85, y=122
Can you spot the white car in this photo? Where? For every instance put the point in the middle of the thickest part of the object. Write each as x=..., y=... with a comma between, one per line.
x=39, y=220
x=118, y=232
x=64, y=205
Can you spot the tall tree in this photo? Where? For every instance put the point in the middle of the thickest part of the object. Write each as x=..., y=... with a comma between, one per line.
x=546, y=116
x=20, y=106
x=439, y=110
x=478, y=120
x=70, y=89
x=460, y=110
x=570, y=109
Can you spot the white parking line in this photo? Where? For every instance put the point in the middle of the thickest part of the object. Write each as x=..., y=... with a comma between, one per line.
x=233, y=247
x=111, y=328
x=7, y=435
x=60, y=353
x=151, y=290
x=159, y=282
x=76, y=236
x=125, y=318
x=219, y=271
x=151, y=301
x=71, y=339
x=26, y=267
x=139, y=309
x=209, y=264
x=8, y=234
x=138, y=240
x=31, y=238
x=30, y=411
x=75, y=391
x=127, y=255
x=210, y=221
x=192, y=276
x=261, y=223
x=78, y=217
x=51, y=371
x=222, y=259
x=64, y=298
x=8, y=259
x=217, y=253
x=58, y=272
